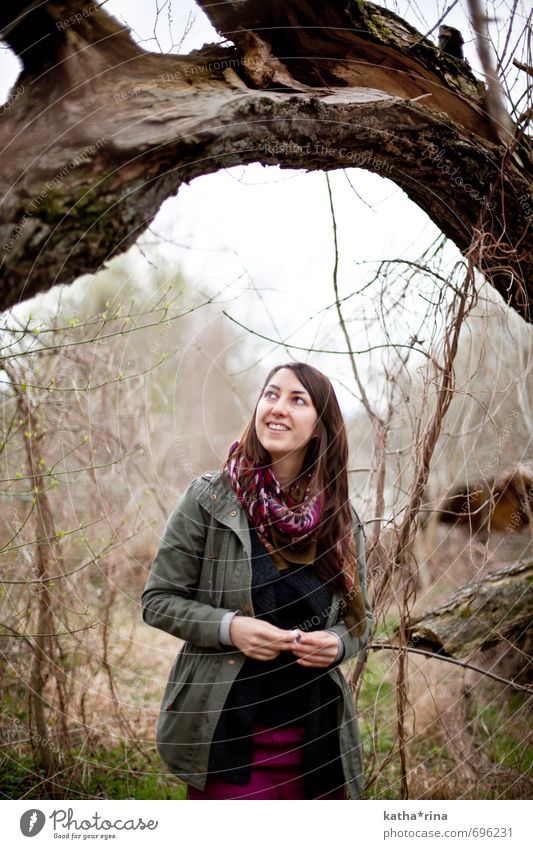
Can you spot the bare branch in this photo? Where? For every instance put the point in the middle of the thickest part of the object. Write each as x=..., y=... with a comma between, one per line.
x=507, y=681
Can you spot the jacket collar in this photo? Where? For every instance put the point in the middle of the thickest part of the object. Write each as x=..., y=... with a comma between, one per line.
x=220, y=501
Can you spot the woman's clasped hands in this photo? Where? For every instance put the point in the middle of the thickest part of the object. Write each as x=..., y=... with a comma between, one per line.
x=262, y=641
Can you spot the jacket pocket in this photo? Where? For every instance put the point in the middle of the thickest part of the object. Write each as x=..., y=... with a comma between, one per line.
x=180, y=674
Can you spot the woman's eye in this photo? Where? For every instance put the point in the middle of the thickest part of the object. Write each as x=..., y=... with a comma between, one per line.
x=269, y=393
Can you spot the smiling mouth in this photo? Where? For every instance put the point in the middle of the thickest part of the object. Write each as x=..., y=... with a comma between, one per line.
x=277, y=428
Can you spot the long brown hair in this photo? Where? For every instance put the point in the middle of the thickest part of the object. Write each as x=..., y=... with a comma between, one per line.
x=326, y=458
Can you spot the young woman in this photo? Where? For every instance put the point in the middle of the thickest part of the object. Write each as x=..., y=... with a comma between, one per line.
x=261, y=570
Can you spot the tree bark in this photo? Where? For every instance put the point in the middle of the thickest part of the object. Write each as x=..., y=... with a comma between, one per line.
x=498, y=607
x=98, y=133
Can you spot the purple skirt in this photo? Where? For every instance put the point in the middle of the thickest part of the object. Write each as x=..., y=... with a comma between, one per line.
x=276, y=770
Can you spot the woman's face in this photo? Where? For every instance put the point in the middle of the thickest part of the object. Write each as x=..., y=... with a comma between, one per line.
x=285, y=417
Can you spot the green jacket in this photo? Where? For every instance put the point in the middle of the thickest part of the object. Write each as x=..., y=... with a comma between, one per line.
x=202, y=571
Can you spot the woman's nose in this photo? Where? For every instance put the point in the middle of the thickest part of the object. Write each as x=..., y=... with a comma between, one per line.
x=280, y=407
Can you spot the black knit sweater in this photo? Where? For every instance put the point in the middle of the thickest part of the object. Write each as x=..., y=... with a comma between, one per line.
x=281, y=693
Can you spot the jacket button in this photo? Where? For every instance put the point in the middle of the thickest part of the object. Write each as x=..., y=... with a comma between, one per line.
x=231, y=661
x=233, y=513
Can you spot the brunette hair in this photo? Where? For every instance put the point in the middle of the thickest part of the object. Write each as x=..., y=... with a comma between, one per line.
x=326, y=458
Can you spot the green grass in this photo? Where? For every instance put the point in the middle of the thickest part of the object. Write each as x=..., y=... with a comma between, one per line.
x=111, y=774
x=496, y=736
x=378, y=726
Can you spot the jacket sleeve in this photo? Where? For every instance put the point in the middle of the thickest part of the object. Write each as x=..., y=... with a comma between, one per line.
x=167, y=600
x=352, y=644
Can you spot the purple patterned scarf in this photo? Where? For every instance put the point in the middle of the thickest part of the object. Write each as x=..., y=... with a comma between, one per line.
x=284, y=522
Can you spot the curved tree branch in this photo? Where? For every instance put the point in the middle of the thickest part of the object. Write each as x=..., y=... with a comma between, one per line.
x=98, y=133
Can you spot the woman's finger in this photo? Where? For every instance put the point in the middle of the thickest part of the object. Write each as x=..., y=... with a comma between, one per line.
x=301, y=651
x=303, y=662
x=314, y=656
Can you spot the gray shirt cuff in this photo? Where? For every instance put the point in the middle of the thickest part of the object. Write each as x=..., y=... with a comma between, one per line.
x=340, y=653
x=223, y=630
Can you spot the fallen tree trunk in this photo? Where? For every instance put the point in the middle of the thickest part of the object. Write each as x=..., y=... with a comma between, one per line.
x=496, y=608
x=98, y=133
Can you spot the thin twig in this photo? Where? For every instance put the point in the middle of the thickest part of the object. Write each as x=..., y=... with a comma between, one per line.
x=508, y=681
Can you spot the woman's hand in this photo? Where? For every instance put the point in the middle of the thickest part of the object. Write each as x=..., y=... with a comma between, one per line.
x=316, y=648
x=259, y=639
